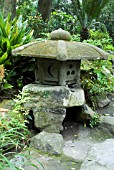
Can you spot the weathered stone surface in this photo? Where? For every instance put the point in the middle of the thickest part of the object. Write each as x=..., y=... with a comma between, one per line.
x=49, y=120
x=61, y=50
x=76, y=150
x=31, y=159
x=51, y=72
x=100, y=157
x=49, y=103
x=48, y=142
x=102, y=102
x=108, y=123
x=43, y=96
x=60, y=34
x=86, y=114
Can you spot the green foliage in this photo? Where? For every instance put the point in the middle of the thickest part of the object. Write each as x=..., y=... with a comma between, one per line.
x=76, y=37
x=4, y=85
x=12, y=126
x=27, y=8
x=109, y=47
x=106, y=14
x=97, y=80
x=87, y=10
x=12, y=34
x=98, y=35
x=95, y=120
x=60, y=19
x=38, y=25
x=97, y=77
x=99, y=39
x=5, y=163
x=14, y=134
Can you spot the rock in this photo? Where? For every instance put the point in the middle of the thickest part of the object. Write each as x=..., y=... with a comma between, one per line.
x=49, y=104
x=108, y=123
x=33, y=160
x=3, y=112
x=7, y=104
x=44, y=96
x=86, y=114
x=102, y=102
x=87, y=111
x=60, y=34
x=19, y=160
x=49, y=120
x=100, y=157
x=76, y=150
x=48, y=142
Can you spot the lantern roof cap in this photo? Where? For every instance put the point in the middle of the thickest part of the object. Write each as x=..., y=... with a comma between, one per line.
x=59, y=47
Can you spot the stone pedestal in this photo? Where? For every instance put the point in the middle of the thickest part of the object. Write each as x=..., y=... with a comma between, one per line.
x=49, y=104
x=49, y=120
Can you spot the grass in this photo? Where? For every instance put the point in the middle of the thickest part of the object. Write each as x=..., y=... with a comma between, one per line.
x=14, y=136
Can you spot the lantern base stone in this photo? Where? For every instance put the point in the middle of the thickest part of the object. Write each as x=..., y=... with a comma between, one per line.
x=49, y=104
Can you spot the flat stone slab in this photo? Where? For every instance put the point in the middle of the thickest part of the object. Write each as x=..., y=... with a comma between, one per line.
x=45, y=96
x=48, y=143
x=107, y=122
x=33, y=160
x=100, y=157
x=77, y=150
x=60, y=50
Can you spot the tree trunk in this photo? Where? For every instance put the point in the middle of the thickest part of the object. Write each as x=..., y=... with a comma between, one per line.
x=10, y=7
x=1, y=5
x=44, y=8
x=84, y=34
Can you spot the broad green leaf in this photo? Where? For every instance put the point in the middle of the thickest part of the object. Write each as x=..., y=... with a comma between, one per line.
x=4, y=44
x=3, y=58
x=19, y=37
x=7, y=86
x=8, y=28
x=1, y=52
x=8, y=47
x=2, y=26
x=19, y=22
x=7, y=62
x=13, y=37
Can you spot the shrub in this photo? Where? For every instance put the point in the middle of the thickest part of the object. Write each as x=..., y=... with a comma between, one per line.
x=99, y=39
x=14, y=134
x=13, y=34
x=95, y=120
x=97, y=80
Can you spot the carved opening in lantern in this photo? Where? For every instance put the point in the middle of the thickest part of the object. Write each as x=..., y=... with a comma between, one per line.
x=53, y=72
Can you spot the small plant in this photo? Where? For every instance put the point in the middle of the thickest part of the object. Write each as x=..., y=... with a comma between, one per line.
x=60, y=19
x=76, y=37
x=100, y=39
x=3, y=82
x=109, y=47
x=95, y=120
x=97, y=80
x=14, y=134
x=13, y=33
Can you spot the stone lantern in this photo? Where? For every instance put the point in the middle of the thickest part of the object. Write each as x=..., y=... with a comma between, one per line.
x=57, y=77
